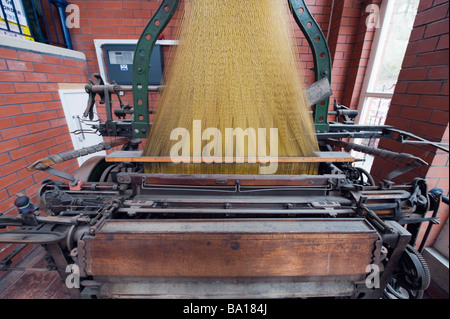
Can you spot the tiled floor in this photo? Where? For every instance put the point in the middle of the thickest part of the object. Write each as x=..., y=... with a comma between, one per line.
x=48, y=285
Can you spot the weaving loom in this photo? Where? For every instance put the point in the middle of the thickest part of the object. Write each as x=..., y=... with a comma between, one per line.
x=208, y=209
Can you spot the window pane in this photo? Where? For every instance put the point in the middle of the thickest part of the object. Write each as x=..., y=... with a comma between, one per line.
x=377, y=110
x=392, y=46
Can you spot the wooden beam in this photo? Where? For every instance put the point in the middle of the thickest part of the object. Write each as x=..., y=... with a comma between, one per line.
x=322, y=157
x=231, y=248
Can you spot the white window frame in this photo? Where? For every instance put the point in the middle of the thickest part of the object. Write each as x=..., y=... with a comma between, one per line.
x=375, y=60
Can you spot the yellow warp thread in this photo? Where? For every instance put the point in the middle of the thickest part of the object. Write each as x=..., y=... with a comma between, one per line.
x=235, y=67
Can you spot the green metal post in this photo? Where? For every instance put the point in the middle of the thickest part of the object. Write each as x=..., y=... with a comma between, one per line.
x=321, y=54
x=141, y=63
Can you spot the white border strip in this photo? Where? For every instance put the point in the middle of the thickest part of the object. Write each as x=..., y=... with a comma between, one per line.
x=28, y=45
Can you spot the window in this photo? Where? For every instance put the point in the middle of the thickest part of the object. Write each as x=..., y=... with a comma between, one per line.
x=35, y=20
x=388, y=50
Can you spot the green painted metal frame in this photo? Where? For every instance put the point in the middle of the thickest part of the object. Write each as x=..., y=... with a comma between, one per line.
x=321, y=54
x=144, y=49
x=303, y=17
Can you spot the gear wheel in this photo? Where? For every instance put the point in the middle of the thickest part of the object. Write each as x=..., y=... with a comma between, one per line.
x=416, y=272
x=412, y=279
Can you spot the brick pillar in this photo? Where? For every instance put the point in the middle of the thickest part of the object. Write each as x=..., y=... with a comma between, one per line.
x=420, y=103
x=350, y=42
x=359, y=58
x=341, y=39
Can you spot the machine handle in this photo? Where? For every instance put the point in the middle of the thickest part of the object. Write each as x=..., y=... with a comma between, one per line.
x=51, y=160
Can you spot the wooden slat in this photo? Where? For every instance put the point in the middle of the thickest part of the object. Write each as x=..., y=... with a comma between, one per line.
x=231, y=248
x=322, y=157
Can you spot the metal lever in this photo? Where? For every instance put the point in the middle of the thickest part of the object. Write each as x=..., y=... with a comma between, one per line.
x=46, y=163
x=89, y=112
x=404, y=137
x=410, y=161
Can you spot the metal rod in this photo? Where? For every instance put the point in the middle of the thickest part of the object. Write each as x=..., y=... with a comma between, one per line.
x=425, y=142
x=235, y=211
x=407, y=134
x=373, y=217
x=437, y=195
x=28, y=269
x=322, y=157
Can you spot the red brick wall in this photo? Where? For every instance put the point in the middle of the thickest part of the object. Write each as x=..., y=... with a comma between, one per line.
x=117, y=20
x=32, y=122
x=350, y=43
x=421, y=103
x=114, y=20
